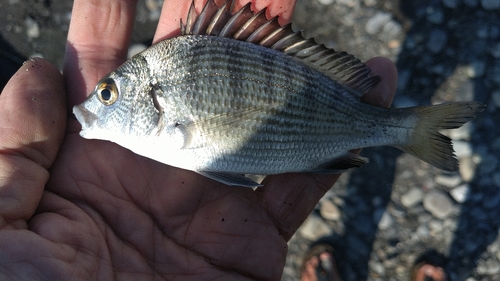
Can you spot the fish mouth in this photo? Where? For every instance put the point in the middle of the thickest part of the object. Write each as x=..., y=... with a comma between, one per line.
x=85, y=117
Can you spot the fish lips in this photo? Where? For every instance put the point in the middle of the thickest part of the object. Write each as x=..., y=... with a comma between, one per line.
x=86, y=118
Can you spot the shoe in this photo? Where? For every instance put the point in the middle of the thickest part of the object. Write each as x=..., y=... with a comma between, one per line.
x=319, y=264
x=427, y=272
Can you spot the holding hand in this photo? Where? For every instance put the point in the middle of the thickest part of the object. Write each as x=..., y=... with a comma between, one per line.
x=72, y=208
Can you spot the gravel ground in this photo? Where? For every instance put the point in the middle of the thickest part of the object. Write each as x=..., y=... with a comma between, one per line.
x=397, y=209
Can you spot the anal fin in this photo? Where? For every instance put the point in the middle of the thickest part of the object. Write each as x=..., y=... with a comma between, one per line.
x=341, y=164
x=230, y=178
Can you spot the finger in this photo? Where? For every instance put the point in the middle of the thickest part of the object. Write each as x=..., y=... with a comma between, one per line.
x=32, y=123
x=290, y=198
x=174, y=10
x=383, y=93
x=98, y=40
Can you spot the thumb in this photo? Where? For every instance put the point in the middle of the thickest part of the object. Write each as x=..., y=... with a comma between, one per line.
x=32, y=124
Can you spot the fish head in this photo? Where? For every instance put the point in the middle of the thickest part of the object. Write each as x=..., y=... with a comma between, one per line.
x=119, y=106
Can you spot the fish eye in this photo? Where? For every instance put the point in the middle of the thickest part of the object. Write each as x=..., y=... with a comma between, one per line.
x=107, y=92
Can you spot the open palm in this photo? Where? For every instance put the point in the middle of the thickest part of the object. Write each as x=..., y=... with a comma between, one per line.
x=72, y=208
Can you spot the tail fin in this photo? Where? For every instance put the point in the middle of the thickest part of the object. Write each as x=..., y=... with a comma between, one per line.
x=431, y=146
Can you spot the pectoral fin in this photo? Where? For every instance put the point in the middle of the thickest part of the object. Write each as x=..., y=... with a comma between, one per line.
x=230, y=178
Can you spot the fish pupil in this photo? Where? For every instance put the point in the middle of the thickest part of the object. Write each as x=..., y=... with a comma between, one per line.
x=106, y=94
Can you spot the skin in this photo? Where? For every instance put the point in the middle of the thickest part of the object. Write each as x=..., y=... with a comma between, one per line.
x=72, y=208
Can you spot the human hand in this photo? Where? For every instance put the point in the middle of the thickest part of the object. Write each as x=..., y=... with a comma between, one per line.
x=105, y=213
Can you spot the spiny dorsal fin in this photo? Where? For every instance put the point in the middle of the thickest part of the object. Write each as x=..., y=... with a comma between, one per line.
x=245, y=25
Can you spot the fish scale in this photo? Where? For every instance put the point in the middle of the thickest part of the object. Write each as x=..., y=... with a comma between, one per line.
x=266, y=102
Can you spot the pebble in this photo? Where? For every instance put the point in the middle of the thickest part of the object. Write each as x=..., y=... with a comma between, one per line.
x=462, y=133
x=436, y=225
x=412, y=197
x=32, y=28
x=448, y=181
x=326, y=2
x=377, y=22
x=490, y=4
x=467, y=168
x=314, y=228
x=437, y=40
x=330, y=211
x=438, y=204
x=385, y=222
x=460, y=193
x=462, y=149
x=489, y=267
x=135, y=49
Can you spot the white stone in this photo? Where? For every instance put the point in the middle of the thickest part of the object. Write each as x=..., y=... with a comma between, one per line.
x=385, y=222
x=467, y=168
x=377, y=22
x=326, y=2
x=460, y=193
x=412, y=197
x=135, y=49
x=448, y=181
x=314, y=228
x=438, y=204
x=32, y=28
x=329, y=211
x=462, y=148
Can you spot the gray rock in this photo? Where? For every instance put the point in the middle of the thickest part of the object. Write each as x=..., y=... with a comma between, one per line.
x=490, y=4
x=32, y=28
x=329, y=211
x=326, y=2
x=377, y=22
x=460, y=193
x=314, y=228
x=436, y=225
x=467, y=168
x=135, y=49
x=462, y=148
x=438, y=204
x=488, y=267
x=412, y=197
x=437, y=40
x=448, y=181
x=385, y=222
x=462, y=133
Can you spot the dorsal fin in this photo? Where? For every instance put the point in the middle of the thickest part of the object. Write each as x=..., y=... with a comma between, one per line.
x=245, y=25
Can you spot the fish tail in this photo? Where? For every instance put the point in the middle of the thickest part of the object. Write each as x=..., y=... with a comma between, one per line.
x=431, y=146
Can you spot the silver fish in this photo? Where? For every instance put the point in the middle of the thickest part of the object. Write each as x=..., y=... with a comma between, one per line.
x=239, y=94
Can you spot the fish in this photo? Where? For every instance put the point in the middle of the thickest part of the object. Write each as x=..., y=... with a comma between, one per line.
x=238, y=94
